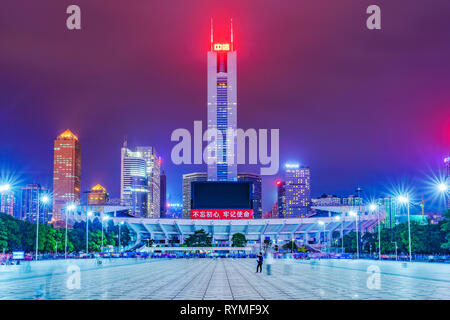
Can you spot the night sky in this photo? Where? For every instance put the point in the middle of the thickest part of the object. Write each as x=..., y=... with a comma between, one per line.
x=360, y=107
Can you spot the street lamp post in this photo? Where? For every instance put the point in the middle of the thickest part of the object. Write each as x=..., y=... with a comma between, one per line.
x=103, y=219
x=405, y=199
x=338, y=218
x=45, y=200
x=69, y=208
x=37, y=226
x=409, y=234
x=373, y=207
x=120, y=247
x=354, y=214
x=322, y=224
x=88, y=214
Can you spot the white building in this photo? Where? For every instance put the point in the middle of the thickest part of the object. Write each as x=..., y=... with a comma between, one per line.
x=140, y=181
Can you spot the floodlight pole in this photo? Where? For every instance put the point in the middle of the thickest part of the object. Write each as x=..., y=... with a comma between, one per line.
x=409, y=235
x=37, y=226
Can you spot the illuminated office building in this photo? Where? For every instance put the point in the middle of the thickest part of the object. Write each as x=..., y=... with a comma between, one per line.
x=256, y=194
x=66, y=173
x=153, y=172
x=187, y=195
x=32, y=196
x=222, y=109
x=8, y=202
x=133, y=182
x=294, y=193
x=98, y=195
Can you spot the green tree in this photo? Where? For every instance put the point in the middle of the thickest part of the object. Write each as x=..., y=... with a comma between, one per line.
x=445, y=228
x=238, y=240
x=3, y=236
x=291, y=246
x=200, y=238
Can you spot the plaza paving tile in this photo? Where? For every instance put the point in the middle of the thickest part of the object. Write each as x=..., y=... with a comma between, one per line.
x=206, y=279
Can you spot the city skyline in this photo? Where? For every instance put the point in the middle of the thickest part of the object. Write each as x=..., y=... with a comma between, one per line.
x=337, y=133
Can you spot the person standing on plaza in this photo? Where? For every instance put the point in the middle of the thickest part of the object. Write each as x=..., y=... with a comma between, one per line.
x=269, y=263
x=259, y=260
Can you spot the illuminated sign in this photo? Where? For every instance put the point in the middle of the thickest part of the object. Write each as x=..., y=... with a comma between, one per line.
x=292, y=166
x=18, y=255
x=447, y=160
x=221, y=47
x=222, y=214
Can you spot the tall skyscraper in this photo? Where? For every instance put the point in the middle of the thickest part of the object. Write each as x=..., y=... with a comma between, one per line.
x=162, y=198
x=222, y=109
x=29, y=203
x=294, y=194
x=140, y=173
x=187, y=196
x=133, y=181
x=8, y=202
x=256, y=194
x=153, y=172
x=281, y=200
x=66, y=173
x=98, y=195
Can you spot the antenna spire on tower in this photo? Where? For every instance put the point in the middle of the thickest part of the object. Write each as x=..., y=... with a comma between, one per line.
x=231, y=34
x=211, y=33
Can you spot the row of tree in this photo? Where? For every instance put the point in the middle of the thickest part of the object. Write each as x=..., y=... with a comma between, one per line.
x=18, y=235
x=425, y=239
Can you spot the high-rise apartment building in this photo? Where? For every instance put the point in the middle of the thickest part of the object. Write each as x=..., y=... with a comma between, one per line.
x=294, y=193
x=256, y=192
x=33, y=200
x=66, y=173
x=222, y=109
x=8, y=202
x=187, y=195
x=153, y=172
x=133, y=182
x=140, y=181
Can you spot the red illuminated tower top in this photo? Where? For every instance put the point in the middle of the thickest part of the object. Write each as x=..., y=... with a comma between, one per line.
x=222, y=46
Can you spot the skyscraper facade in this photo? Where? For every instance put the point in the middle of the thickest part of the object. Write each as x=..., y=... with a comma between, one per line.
x=162, y=198
x=8, y=202
x=153, y=172
x=32, y=196
x=256, y=194
x=281, y=200
x=187, y=195
x=66, y=173
x=133, y=182
x=391, y=206
x=294, y=194
x=222, y=110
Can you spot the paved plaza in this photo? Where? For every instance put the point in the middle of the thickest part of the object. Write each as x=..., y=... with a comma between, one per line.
x=197, y=279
